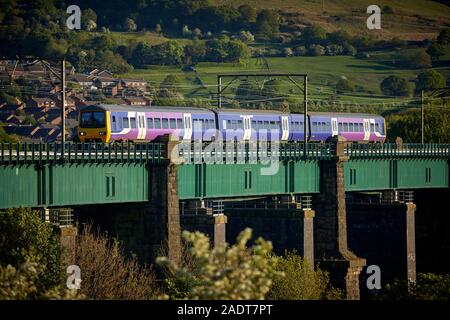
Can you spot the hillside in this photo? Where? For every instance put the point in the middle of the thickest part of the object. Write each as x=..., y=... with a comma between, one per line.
x=410, y=20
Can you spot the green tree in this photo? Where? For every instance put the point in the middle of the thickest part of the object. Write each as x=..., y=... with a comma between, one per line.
x=25, y=237
x=429, y=80
x=223, y=272
x=268, y=23
x=416, y=59
x=316, y=50
x=435, y=50
x=313, y=35
x=237, y=51
x=344, y=85
x=429, y=286
x=395, y=86
x=301, y=282
x=248, y=13
x=194, y=52
x=444, y=36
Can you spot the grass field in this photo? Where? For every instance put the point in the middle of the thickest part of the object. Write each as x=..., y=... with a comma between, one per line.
x=323, y=73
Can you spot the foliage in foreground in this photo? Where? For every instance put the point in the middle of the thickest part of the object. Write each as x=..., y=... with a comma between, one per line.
x=223, y=272
x=429, y=286
x=24, y=237
x=20, y=283
x=300, y=282
x=107, y=273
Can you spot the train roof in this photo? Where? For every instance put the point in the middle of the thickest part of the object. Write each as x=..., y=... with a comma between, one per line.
x=344, y=114
x=248, y=111
x=123, y=108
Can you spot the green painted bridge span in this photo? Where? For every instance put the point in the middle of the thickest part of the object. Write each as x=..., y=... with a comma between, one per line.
x=45, y=175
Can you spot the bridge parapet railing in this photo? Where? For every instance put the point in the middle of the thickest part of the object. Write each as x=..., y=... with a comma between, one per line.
x=42, y=153
x=252, y=152
x=392, y=150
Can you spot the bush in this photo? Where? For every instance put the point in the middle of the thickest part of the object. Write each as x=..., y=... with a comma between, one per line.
x=429, y=80
x=429, y=286
x=300, y=51
x=316, y=50
x=344, y=85
x=416, y=59
x=395, y=86
x=444, y=36
x=288, y=52
x=25, y=237
x=107, y=274
x=300, y=282
x=223, y=272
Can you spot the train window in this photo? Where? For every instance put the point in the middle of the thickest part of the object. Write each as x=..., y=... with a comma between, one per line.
x=377, y=127
x=239, y=124
x=179, y=124
x=360, y=127
x=150, y=123
x=173, y=123
x=125, y=123
x=340, y=127
x=157, y=123
x=372, y=127
x=114, y=118
x=324, y=126
x=165, y=123
x=345, y=127
x=272, y=125
x=266, y=124
x=350, y=127
x=133, y=123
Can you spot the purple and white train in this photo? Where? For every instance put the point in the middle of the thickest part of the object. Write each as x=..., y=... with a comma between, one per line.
x=108, y=123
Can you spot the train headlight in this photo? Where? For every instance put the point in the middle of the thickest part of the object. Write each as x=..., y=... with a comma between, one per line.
x=82, y=133
x=102, y=133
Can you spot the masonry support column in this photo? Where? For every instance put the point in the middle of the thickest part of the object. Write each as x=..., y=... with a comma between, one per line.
x=411, y=242
x=202, y=219
x=308, y=236
x=164, y=197
x=331, y=247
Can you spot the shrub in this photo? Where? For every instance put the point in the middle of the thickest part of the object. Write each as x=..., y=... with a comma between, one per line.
x=288, y=52
x=344, y=85
x=395, y=86
x=429, y=286
x=300, y=51
x=300, y=282
x=107, y=274
x=224, y=272
x=316, y=50
x=25, y=237
x=429, y=80
x=416, y=59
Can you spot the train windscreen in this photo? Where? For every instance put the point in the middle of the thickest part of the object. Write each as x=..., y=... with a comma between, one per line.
x=92, y=119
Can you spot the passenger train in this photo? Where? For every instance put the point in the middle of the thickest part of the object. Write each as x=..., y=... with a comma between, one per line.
x=110, y=123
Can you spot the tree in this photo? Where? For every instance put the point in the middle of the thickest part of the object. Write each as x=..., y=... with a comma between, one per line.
x=300, y=281
x=246, y=36
x=313, y=35
x=194, y=52
x=344, y=85
x=429, y=80
x=248, y=13
x=237, y=51
x=339, y=37
x=268, y=23
x=436, y=50
x=300, y=51
x=223, y=272
x=5, y=137
x=444, y=36
x=25, y=237
x=395, y=86
x=316, y=50
x=169, y=87
x=130, y=25
x=288, y=52
x=416, y=59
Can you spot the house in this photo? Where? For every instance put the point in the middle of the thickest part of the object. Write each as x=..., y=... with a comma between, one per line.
x=10, y=119
x=24, y=131
x=135, y=101
x=82, y=80
x=42, y=102
x=112, y=90
x=140, y=85
x=103, y=82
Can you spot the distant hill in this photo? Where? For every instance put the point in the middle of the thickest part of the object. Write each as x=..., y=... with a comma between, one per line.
x=410, y=20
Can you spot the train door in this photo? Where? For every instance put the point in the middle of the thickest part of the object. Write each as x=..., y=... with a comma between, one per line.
x=247, y=127
x=366, y=125
x=114, y=124
x=142, y=130
x=284, y=128
x=334, y=127
x=187, y=122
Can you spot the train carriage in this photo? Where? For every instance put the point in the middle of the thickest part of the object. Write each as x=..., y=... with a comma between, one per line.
x=109, y=123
